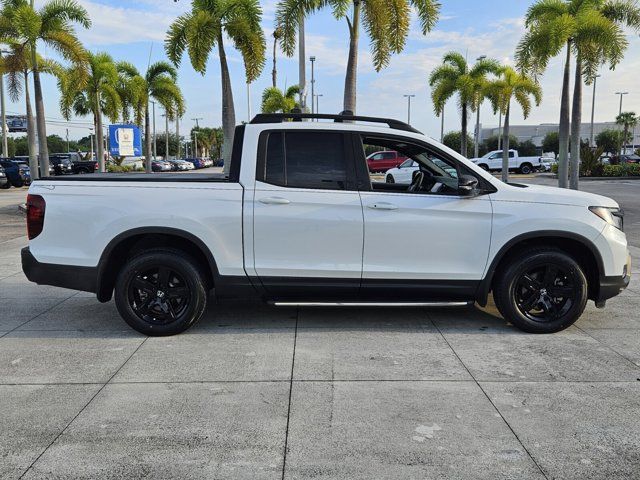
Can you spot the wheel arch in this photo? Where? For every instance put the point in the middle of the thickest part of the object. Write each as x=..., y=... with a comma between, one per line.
x=120, y=248
x=580, y=248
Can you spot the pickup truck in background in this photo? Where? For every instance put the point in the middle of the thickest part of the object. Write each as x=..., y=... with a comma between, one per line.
x=492, y=162
x=298, y=221
x=383, y=161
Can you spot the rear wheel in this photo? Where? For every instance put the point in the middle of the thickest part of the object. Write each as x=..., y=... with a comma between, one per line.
x=17, y=182
x=484, y=166
x=4, y=186
x=526, y=168
x=543, y=291
x=161, y=292
x=390, y=179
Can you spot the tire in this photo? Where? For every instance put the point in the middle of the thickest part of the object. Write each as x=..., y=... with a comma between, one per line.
x=5, y=186
x=524, y=291
x=83, y=171
x=390, y=179
x=159, y=306
x=19, y=183
x=484, y=166
x=526, y=168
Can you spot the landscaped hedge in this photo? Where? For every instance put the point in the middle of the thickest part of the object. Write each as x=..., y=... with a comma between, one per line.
x=111, y=168
x=623, y=170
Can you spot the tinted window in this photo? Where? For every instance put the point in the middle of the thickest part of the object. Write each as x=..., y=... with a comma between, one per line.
x=389, y=156
x=308, y=160
x=274, y=169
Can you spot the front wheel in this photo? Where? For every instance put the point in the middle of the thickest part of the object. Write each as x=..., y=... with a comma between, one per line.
x=542, y=291
x=161, y=292
x=390, y=179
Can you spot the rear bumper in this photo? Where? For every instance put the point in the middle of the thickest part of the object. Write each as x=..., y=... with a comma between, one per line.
x=65, y=276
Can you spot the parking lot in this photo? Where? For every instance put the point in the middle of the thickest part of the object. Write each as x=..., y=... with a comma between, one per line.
x=263, y=392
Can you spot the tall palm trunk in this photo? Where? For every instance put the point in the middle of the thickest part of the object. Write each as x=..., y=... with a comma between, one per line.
x=147, y=139
x=31, y=133
x=40, y=120
x=274, y=72
x=302, y=64
x=228, y=110
x=563, y=130
x=505, y=145
x=350, y=81
x=576, y=122
x=463, y=133
x=99, y=138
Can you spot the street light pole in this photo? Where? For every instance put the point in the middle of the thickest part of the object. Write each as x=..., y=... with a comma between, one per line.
x=248, y=102
x=621, y=95
x=313, y=82
x=409, y=97
x=154, y=129
x=195, y=142
x=593, y=108
x=318, y=102
x=477, y=142
x=442, y=125
x=166, y=135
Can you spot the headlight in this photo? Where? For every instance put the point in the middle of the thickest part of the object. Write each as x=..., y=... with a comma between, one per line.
x=613, y=216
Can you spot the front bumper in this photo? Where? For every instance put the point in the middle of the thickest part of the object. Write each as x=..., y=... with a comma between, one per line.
x=612, y=286
x=65, y=276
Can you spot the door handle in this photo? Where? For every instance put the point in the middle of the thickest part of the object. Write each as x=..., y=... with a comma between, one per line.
x=383, y=206
x=274, y=201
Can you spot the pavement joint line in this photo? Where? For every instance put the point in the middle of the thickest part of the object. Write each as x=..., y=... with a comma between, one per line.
x=372, y=380
x=490, y=401
x=293, y=364
x=83, y=408
x=609, y=347
x=38, y=315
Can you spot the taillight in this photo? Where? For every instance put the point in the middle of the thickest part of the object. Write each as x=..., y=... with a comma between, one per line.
x=35, y=215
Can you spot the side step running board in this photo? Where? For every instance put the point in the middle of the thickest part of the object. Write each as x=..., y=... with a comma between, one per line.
x=371, y=304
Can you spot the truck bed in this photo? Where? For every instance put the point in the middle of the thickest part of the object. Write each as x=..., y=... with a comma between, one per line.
x=141, y=177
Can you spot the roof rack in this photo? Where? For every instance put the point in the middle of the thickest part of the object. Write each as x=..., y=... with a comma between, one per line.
x=339, y=118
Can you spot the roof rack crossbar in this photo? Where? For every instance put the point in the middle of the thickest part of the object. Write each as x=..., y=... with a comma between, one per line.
x=281, y=117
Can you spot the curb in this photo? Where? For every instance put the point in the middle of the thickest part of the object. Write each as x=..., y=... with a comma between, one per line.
x=601, y=179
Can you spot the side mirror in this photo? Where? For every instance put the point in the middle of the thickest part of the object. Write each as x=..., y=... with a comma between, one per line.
x=467, y=184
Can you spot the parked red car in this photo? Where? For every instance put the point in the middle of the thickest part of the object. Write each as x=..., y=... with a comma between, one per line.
x=383, y=161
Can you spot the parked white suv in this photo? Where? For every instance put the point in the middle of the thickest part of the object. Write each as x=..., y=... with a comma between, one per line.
x=298, y=221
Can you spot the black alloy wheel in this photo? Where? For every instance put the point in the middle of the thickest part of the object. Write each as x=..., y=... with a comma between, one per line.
x=543, y=290
x=161, y=292
x=546, y=292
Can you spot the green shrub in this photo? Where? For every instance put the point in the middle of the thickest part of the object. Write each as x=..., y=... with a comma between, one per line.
x=622, y=170
x=111, y=168
x=554, y=168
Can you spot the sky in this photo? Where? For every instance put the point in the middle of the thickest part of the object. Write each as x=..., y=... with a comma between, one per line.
x=135, y=31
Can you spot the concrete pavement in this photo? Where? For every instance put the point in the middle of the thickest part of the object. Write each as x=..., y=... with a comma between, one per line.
x=260, y=392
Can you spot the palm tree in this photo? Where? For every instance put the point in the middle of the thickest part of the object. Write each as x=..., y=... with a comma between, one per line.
x=160, y=83
x=628, y=120
x=17, y=65
x=273, y=100
x=512, y=86
x=386, y=22
x=592, y=31
x=455, y=77
x=203, y=29
x=52, y=26
x=97, y=95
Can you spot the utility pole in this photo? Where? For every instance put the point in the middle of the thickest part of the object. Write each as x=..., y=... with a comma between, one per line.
x=409, y=97
x=3, y=114
x=593, y=108
x=195, y=142
x=313, y=81
x=476, y=148
x=197, y=120
x=91, y=140
x=621, y=95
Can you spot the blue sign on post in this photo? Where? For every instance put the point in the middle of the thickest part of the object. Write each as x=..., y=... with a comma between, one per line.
x=125, y=141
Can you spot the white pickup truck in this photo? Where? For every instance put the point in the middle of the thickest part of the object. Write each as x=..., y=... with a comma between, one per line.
x=492, y=162
x=299, y=221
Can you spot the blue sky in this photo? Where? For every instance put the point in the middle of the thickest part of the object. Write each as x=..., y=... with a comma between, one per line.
x=134, y=30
